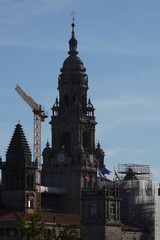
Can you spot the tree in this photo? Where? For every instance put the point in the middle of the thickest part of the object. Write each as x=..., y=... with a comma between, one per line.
x=70, y=233
x=22, y=229
x=35, y=229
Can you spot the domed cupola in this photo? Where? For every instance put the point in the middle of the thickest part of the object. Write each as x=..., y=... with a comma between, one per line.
x=100, y=155
x=99, y=151
x=73, y=43
x=47, y=153
x=73, y=64
x=73, y=81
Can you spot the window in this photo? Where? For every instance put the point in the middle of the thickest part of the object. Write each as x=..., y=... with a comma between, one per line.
x=66, y=141
x=86, y=139
x=32, y=180
x=28, y=181
x=93, y=209
x=112, y=209
x=30, y=204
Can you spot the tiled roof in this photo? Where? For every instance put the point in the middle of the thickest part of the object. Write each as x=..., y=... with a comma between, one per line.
x=126, y=226
x=7, y=215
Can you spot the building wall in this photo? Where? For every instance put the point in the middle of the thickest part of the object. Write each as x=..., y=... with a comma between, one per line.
x=113, y=233
x=96, y=232
x=135, y=235
x=13, y=199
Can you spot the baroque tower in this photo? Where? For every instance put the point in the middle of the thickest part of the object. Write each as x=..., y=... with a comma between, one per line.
x=71, y=163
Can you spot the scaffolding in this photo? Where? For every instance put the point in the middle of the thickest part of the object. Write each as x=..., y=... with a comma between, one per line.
x=140, y=202
x=142, y=172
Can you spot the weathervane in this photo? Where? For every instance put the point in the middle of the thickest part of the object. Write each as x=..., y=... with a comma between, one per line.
x=73, y=16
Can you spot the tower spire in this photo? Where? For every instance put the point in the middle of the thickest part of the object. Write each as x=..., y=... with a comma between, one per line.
x=73, y=40
x=73, y=24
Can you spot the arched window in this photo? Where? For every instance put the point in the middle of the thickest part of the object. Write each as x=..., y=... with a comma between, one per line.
x=30, y=203
x=66, y=141
x=66, y=101
x=32, y=181
x=93, y=209
x=112, y=210
x=74, y=99
x=28, y=181
x=86, y=139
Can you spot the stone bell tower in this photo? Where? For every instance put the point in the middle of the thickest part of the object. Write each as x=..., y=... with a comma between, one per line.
x=71, y=163
x=18, y=175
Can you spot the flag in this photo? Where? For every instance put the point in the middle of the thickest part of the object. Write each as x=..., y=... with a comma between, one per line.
x=116, y=174
x=99, y=174
x=106, y=171
x=85, y=177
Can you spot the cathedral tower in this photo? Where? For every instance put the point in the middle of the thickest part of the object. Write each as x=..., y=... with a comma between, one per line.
x=71, y=163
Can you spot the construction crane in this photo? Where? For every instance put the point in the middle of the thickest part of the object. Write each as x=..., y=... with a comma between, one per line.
x=39, y=116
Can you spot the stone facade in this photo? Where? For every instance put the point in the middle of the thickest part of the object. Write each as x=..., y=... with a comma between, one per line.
x=100, y=213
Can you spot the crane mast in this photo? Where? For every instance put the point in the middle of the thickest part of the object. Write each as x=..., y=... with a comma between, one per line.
x=39, y=116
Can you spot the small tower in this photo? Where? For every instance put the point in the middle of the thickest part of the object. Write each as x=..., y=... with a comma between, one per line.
x=18, y=175
x=100, y=213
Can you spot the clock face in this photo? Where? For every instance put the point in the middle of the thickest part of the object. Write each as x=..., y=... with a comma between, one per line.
x=91, y=158
x=61, y=157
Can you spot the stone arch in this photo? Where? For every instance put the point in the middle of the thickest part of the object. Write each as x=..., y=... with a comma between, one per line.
x=66, y=141
x=66, y=101
x=86, y=139
x=74, y=97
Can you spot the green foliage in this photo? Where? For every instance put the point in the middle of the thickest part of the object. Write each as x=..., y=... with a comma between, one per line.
x=70, y=233
x=36, y=230
x=22, y=230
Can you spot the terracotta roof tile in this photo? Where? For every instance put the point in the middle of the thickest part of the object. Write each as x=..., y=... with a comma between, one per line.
x=7, y=215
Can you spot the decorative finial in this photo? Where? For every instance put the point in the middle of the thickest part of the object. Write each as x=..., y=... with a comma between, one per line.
x=98, y=145
x=47, y=144
x=73, y=41
x=73, y=24
x=73, y=18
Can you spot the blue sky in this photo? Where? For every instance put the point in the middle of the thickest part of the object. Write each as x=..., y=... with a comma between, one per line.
x=119, y=43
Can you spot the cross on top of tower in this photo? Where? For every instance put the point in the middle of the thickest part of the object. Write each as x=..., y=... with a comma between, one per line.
x=73, y=16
